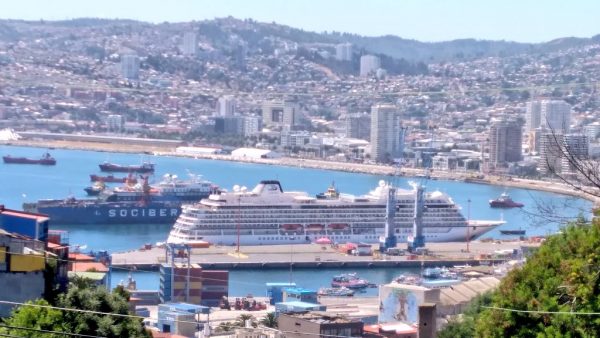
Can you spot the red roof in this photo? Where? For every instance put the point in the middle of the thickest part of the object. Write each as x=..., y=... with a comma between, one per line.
x=23, y=214
x=76, y=256
x=87, y=266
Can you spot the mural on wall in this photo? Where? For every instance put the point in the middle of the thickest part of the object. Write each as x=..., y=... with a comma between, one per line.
x=398, y=305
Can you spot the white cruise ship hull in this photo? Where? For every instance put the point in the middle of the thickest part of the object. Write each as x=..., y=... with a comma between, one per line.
x=438, y=234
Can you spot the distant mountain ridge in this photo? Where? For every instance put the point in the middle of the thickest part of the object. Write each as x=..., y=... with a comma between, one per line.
x=391, y=45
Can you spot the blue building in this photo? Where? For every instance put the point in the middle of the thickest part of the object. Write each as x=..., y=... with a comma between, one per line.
x=275, y=291
x=180, y=318
x=300, y=295
x=24, y=223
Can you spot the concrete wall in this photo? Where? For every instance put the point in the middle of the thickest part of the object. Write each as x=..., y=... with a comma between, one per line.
x=20, y=287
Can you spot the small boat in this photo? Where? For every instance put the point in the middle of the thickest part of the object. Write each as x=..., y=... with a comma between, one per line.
x=513, y=232
x=145, y=167
x=95, y=189
x=112, y=179
x=336, y=292
x=350, y=281
x=504, y=201
x=46, y=159
x=330, y=194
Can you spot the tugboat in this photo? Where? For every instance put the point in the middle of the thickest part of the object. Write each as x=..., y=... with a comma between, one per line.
x=145, y=167
x=331, y=193
x=95, y=189
x=46, y=159
x=504, y=201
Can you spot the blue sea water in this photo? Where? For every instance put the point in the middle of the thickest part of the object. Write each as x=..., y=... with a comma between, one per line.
x=28, y=183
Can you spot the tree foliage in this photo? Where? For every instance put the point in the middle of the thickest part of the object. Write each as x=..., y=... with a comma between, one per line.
x=561, y=277
x=82, y=295
x=269, y=320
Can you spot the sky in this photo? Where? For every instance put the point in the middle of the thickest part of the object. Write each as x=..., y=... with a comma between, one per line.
x=424, y=20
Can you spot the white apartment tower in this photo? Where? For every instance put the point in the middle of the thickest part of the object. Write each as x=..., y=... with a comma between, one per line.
x=343, y=51
x=369, y=65
x=130, y=66
x=225, y=106
x=387, y=133
x=190, y=44
x=554, y=115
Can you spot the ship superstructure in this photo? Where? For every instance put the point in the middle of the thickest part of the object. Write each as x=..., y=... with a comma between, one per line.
x=268, y=215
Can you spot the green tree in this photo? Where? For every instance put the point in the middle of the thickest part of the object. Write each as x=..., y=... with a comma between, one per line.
x=226, y=327
x=561, y=277
x=269, y=320
x=33, y=317
x=241, y=320
x=82, y=295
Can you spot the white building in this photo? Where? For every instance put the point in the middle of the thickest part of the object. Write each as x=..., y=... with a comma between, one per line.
x=343, y=52
x=252, y=125
x=190, y=44
x=254, y=153
x=281, y=113
x=369, y=65
x=130, y=66
x=225, y=106
x=115, y=123
x=592, y=131
x=556, y=115
x=387, y=133
x=533, y=115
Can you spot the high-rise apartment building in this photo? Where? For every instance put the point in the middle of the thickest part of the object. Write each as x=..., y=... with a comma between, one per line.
x=130, y=66
x=190, y=44
x=559, y=153
x=369, y=64
x=387, y=133
x=343, y=52
x=554, y=115
x=505, y=143
x=358, y=126
x=225, y=106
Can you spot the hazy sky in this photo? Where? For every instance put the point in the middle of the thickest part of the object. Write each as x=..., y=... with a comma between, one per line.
x=425, y=20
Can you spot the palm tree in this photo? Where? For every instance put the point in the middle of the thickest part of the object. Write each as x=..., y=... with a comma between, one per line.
x=241, y=320
x=269, y=320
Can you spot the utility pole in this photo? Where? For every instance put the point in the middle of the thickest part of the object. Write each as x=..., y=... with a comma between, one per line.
x=468, y=224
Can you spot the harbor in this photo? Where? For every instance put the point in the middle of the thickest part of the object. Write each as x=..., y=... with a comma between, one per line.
x=310, y=256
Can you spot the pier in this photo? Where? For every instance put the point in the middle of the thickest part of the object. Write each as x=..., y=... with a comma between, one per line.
x=327, y=256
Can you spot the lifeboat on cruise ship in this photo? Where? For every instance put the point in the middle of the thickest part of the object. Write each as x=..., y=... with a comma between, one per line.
x=291, y=227
x=338, y=226
x=315, y=227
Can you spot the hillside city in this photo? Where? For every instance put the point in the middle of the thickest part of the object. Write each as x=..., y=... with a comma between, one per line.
x=520, y=115
x=229, y=83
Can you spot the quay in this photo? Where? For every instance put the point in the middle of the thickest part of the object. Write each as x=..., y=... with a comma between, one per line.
x=327, y=256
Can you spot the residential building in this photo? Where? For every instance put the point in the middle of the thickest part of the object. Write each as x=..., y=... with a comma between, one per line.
x=556, y=116
x=281, y=113
x=358, y=126
x=114, y=123
x=130, y=66
x=252, y=125
x=301, y=325
x=576, y=150
x=533, y=115
x=22, y=264
x=225, y=106
x=592, y=131
x=190, y=44
x=505, y=143
x=343, y=52
x=369, y=64
x=559, y=152
x=387, y=133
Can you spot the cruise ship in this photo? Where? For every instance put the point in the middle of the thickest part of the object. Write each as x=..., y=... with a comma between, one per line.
x=268, y=215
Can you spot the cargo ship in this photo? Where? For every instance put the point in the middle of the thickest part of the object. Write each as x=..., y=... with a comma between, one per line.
x=131, y=204
x=145, y=167
x=46, y=159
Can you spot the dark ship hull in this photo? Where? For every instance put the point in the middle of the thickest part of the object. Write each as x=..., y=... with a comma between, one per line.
x=24, y=160
x=143, y=169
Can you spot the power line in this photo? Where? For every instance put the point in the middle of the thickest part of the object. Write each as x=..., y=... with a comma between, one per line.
x=49, y=331
x=543, y=312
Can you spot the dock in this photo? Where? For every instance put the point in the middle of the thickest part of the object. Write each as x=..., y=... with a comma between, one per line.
x=325, y=256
